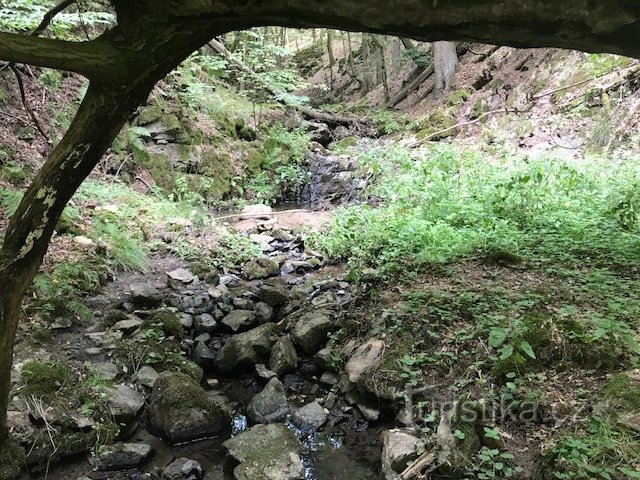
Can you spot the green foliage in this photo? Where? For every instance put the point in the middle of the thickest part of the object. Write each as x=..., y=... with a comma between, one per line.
x=492, y=463
x=602, y=452
x=44, y=378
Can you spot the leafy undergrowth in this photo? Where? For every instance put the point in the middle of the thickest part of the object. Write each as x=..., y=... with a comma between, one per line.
x=511, y=286
x=109, y=229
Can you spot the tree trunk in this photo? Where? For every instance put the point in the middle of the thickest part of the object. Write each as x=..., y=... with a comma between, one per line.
x=103, y=112
x=445, y=62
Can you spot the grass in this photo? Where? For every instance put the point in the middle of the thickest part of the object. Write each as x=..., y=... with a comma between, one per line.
x=507, y=278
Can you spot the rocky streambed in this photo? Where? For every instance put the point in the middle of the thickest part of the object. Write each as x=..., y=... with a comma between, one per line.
x=233, y=375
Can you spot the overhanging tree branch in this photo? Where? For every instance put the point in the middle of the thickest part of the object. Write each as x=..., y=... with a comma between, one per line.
x=96, y=60
x=49, y=16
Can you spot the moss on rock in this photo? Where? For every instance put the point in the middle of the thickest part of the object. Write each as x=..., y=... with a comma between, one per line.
x=44, y=378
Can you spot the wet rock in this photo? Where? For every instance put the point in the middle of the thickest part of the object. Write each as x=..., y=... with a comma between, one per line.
x=182, y=411
x=145, y=295
x=270, y=405
x=329, y=378
x=331, y=462
x=257, y=211
x=366, y=405
x=330, y=400
x=147, y=376
x=264, y=312
x=310, y=332
x=261, y=268
x=128, y=326
x=239, y=320
x=267, y=452
x=398, y=449
x=122, y=456
x=310, y=417
x=124, y=404
x=243, y=303
x=273, y=296
x=203, y=337
x=205, y=323
x=179, y=278
x=284, y=358
x=203, y=357
x=183, y=469
x=365, y=360
x=245, y=350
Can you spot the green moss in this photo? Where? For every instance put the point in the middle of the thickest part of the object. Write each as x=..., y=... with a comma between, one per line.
x=170, y=322
x=346, y=143
x=624, y=390
x=436, y=122
x=42, y=379
x=149, y=114
x=170, y=122
x=12, y=459
x=459, y=96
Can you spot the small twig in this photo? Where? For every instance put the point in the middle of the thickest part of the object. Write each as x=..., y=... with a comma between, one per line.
x=48, y=17
x=23, y=96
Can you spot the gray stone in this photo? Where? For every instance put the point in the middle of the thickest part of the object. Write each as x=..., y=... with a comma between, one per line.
x=284, y=358
x=106, y=370
x=261, y=268
x=257, y=211
x=145, y=295
x=219, y=293
x=147, y=376
x=398, y=449
x=182, y=411
x=244, y=350
x=264, y=312
x=310, y=417
x=329, y=378
x=273, y=296
x=369, y=410
x=124, y=403
x=180, y=277
x=128, y=326
x=242, y=303
x=263, y=372
x=239, y=320
x=183, y=469
x=365, y=360
x=205, y=323
x=310, y=332
x=186, y=320
x=270, y=405
x=203, y=337
x=122, y=456
x=108, y=340
x=266, y=452
x=203, y=357
x=324, y=358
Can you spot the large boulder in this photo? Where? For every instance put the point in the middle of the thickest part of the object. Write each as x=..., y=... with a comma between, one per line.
x=124, y=404
x=266, y=452
x=244, y=350
x=270, y=405
x=182, y=411
x=261, y=268
x=122, y=456
x=274, y=296
x=398, y=449
x=365, y=360
x=145, y=295
x=311, y=330
x=284, y=358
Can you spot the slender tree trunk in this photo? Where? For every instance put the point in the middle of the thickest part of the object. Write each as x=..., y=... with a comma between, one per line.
x=332, y=59
x=445, y=62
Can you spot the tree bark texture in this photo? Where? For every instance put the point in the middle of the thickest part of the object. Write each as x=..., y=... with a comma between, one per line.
x=445, y=64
